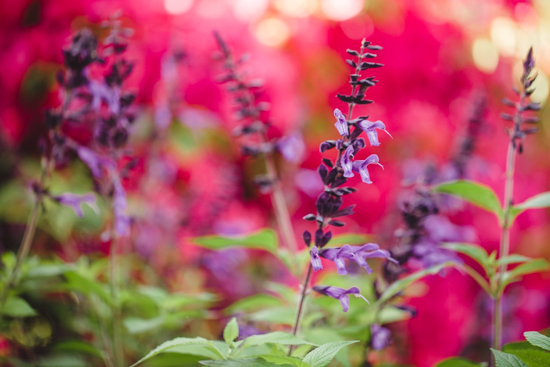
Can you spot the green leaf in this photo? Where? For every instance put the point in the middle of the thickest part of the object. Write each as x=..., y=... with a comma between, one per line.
x=458, y=362
x=136, y=325
x=252, y=362
x=278, y=315
x=349, y=239
x=473, y=192
x=471, y=250
x=18, y=307
x=281, y=360
x=49, y=270
x=535, y=266
x=171, y=344
x=78, y=347
x=231, y=331
x=277, y=337
x=537, y=339
x=265, y=239
x=252, y=303
x=513, y=259
x=536, y=202
x=507, y=360
x=532, y=355
x=77, y=282
x=322, y=356
x=403, y=283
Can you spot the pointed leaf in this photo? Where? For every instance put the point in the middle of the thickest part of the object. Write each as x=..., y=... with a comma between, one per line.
x=171, y=344
x=404, y=282
x=537, y=339
x=277, y=337
x=532, y=355
x=471, y=250
x=322, y=356
x=507, y=360
x=265, y=239
x=458, y=362
x=18, y=307
x=538, y=201
x=513, y=259
x=535, y=266
x=473, y=192
x=231, y=331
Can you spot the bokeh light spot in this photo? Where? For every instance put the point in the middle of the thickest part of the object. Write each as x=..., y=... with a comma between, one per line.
x=485, y=55
x=177, y=6
x=272, y=32
x=296, y=8
x=503, y=35
x=247, y=10
x=341, y=9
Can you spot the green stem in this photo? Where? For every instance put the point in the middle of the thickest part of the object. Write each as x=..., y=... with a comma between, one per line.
x=305, y=286
x=115, y=307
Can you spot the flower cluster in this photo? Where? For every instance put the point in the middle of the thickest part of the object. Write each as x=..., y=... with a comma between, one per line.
x=335, y=175
x=102, y=102
x=518, y=132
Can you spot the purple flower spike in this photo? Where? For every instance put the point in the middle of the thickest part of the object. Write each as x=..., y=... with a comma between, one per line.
x=75, y=202
x=347, y=164
x=380, y=337
x=340, y=294
x=370, y=127
x=122, y=221
x=361, y=167
x=337, y=255
x=315, y=260
x=341, y=123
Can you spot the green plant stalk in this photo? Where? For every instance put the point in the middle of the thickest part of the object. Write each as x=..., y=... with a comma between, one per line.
x=504, y=242
x=115, y=306
x=303, y=295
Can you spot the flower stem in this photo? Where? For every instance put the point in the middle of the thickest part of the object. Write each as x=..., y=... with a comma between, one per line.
x=115, y=306
x=303, y=295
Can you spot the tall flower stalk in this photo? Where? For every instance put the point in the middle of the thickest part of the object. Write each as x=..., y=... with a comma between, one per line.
x=253, y=132
x=334, y=174
x=516, y=134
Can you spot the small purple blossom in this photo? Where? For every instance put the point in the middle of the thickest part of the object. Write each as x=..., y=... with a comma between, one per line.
x=75, y=202
x=370, y=127
x=315, y=260
x=340, y=294
x=292, y=148
x=93, y=160
x=341, y=123
x=359, y=254
x=380, y=337
x=347, y=164
x=361, y=167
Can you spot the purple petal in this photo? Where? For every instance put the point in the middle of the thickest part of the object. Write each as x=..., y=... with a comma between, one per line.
x=292, y=148
x=315, y=260
x=341, y=123
x=347, y=164
x=340, y=294
x=361, y=167
x=93, y=160
x=370, y=129
x=75, y=201
x=380, y=337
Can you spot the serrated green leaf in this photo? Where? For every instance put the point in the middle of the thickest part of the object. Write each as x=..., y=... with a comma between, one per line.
x=507, y=360
x=282, y=360
x=471, y=250
x=323, y=355
x=171, y=344
x=513, y=259
x=532, y=355
x=537, y=339
x=251, y=362
x=277, y=337
x=18, y=307
x=404, y=282
x=265, y=239
x=473, y=192
x=458, y=362
x=535, y=266
x=231, y=331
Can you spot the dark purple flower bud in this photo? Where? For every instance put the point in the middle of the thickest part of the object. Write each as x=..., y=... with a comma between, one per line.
x=328, y=162
x=326, y=145
x=340, y=294
x=323, y=173
x=361, y=167
x=319, y=238
x=347, y=164
x=292, y=148
x=358, y=144
x=337, y=223
x=339, y=144
x=309, y=217
x=315, y=260
x=341, y=123
x=75, y=202
x=529, y=62
x=380, y=337
x=370, y=129
x=307, y=237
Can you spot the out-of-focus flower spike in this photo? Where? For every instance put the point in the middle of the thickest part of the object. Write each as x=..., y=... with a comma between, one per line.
x=75, y=202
